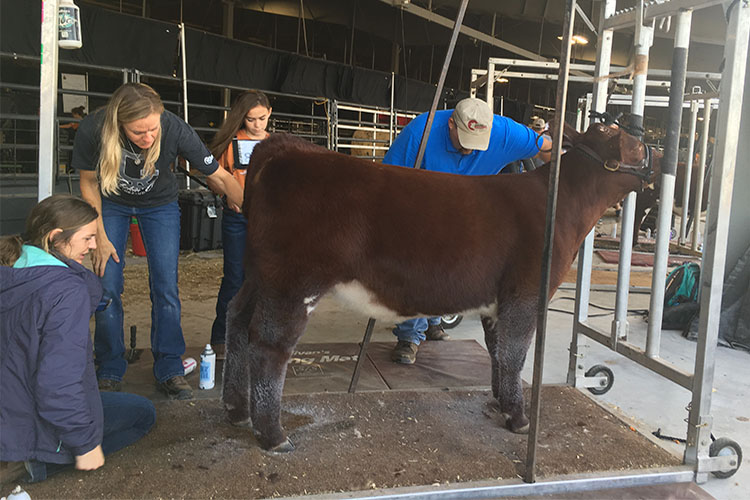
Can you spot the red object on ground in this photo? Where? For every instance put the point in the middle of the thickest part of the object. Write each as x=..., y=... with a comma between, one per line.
x=137, y=240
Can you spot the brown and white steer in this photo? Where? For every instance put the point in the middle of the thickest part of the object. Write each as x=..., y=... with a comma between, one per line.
x=321, y=222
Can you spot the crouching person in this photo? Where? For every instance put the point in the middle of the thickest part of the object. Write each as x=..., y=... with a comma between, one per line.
x=52, y=414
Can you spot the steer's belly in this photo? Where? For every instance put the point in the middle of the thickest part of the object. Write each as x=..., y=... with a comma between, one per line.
x=361, y=299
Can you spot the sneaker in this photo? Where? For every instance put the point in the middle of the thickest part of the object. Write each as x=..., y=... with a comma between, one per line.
x=176, y=388
x=109, y=385
x=405, y=352
x=436, y=332
x=221, y=351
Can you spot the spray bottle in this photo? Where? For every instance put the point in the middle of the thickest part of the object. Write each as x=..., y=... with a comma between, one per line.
x=69, y=25
x=208, y=368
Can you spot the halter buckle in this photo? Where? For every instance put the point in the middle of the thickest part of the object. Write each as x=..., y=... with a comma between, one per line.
x=612, y=165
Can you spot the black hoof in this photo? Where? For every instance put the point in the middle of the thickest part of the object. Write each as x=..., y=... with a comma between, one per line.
x=524, y=429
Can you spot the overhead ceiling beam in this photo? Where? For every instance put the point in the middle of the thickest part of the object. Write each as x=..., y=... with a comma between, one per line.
x=448, y=23
x=626, y=17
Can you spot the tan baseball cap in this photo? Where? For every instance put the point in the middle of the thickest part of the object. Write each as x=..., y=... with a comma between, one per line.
x=473, y=119
x=538, y=124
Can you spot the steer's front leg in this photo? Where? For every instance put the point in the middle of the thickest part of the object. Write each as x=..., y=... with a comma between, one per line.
x=274, y=331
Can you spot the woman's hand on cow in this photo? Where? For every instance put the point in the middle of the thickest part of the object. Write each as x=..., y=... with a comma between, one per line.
x=223, y=182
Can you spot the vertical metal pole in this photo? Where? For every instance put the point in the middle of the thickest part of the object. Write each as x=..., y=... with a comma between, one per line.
x=554, y=175
x=393, y=122
x=717, y=231
x=335, y=125
x=47, y=100
x=491, y=84
x=643, y=39
x=361, y=357
x=688, y=168
x=668, y=169
x=184, y=91
x=701, y=174
x=441, y=82
x=228, y=31
x=598, y=101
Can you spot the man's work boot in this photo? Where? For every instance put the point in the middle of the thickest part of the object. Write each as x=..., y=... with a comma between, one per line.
x=177, y=388
x=436, y=332
x=405, y=352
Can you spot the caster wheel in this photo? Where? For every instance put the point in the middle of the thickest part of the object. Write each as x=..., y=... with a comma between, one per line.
x=598, y=370
x=723, y=447
x=450, y=321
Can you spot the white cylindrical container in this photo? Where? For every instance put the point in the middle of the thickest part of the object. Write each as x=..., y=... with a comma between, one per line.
x=208, y=368
x=189, y=364
x=69, y=25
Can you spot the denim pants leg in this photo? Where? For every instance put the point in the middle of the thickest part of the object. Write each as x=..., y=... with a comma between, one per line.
x=434, y=321
x=127, y=418
x=160, y=230
x=411, y=330
x=233, y=235
x=109, y=338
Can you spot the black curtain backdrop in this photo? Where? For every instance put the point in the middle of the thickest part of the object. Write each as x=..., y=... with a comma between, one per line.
x=123, y=41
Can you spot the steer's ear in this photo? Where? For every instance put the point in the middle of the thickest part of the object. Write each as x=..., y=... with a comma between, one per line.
x=632, y=151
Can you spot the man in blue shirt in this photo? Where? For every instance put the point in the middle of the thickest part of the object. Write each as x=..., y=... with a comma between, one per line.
x=468, y=140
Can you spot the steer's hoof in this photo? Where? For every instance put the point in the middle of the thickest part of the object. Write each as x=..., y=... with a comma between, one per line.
x=285, y=447
x=524, y=429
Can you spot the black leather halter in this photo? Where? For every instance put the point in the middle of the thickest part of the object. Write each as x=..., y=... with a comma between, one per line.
x=643, y=170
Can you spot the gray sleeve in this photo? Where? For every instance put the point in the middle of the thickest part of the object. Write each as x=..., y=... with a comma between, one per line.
x=190, y=146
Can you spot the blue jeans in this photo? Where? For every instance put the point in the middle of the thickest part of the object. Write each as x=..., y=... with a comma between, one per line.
x=412, y=330
x=160, y=230
x=233, y=235
x=127, y=418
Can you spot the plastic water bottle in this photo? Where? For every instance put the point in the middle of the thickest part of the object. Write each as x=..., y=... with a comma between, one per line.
x=68, y=25
x=208, y=368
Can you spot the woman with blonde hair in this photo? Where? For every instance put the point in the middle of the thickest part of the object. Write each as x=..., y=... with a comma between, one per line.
x=51, y=412
x=243, y=128
x=124, y=154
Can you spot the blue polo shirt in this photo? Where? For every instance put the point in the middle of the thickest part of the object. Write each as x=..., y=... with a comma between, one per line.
x=509, y=141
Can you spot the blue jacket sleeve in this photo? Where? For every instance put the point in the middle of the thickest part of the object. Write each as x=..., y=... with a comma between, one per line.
x=61, y=396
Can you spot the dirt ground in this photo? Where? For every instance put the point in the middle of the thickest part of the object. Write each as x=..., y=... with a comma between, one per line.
x=356, y=442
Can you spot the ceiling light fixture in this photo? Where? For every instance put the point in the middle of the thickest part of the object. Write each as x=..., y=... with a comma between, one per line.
x=576, y=39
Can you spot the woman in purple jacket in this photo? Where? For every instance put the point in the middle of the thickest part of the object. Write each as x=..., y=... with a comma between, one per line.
x=51, y=412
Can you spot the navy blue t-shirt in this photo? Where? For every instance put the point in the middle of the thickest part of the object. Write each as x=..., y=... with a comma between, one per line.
x=135, y=188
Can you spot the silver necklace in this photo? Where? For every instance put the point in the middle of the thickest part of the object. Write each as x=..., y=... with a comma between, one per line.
x=137, y=159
